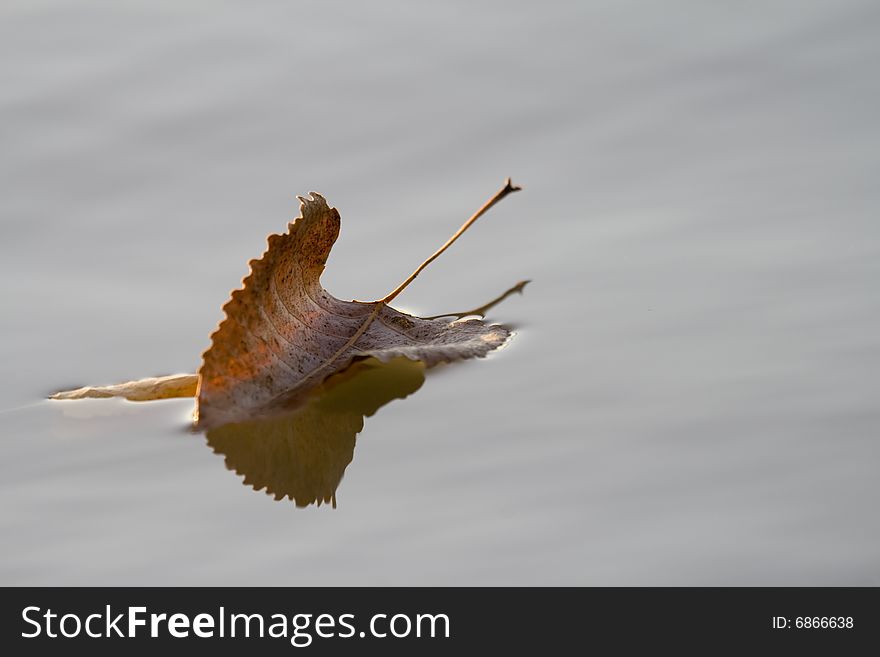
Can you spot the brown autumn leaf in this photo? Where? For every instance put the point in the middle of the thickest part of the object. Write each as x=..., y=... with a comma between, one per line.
x=283, y=334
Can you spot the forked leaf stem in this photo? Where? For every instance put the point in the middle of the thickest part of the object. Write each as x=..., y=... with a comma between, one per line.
x=486, y=307
x=508, y=188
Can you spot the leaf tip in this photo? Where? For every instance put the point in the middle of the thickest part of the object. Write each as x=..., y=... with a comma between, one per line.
x=510, y=187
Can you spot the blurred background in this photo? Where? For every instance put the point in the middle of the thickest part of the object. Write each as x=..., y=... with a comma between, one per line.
x=691, y=396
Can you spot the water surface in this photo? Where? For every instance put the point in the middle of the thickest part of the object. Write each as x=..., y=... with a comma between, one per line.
x=691, y=394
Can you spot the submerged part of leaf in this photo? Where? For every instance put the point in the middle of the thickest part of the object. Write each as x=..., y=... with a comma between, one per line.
x=303, y=455
x=283, y=334
x=161, y=387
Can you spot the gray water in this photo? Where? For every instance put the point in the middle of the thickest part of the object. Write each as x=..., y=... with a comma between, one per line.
x=691, y=395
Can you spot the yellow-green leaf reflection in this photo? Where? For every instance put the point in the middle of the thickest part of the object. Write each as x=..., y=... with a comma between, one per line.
x=303, y=455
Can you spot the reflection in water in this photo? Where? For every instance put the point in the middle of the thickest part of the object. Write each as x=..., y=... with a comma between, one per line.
x=303, y=455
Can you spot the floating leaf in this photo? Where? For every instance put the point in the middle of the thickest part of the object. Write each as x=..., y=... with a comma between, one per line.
x=284, y=334
x=303, y=455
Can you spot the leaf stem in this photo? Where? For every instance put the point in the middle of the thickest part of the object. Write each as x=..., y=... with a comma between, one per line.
x=508, y=188
x=482, y=310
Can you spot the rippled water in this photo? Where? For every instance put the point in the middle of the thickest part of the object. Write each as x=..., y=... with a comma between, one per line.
x=691, y=396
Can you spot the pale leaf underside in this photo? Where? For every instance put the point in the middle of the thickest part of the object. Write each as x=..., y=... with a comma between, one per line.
x=160, y=387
